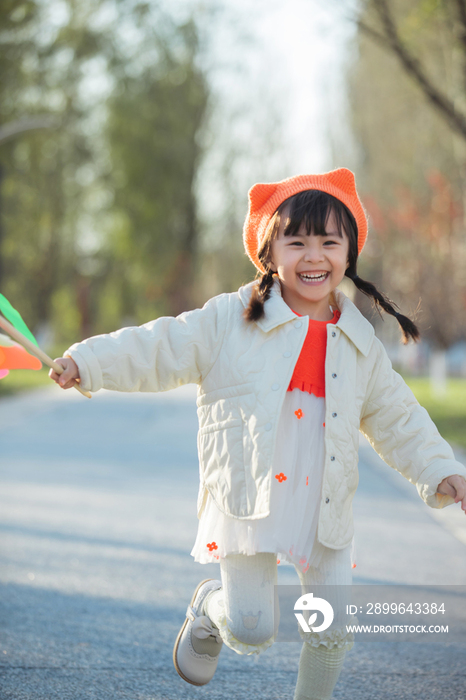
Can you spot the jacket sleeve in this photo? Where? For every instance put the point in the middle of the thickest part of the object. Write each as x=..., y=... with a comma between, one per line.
x=157, y=356
x=403, y=434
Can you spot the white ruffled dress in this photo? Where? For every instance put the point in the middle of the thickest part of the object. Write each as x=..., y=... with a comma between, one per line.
x=290, y=531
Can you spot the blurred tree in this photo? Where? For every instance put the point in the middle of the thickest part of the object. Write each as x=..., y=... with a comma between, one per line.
x=42, y=63
x=132, y=156
x=154, y=118
x=100, y=216
x=424, y=263
x=398, y=26
x=405, y=144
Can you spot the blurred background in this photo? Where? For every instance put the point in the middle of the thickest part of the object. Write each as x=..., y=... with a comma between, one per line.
x=130, y=133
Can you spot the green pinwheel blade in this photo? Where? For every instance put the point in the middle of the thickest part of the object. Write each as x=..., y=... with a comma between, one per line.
x=14, y=317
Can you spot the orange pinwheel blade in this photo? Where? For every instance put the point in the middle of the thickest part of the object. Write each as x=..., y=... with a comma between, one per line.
x=14, y=356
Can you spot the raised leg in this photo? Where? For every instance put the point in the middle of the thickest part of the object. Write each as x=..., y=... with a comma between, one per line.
x=245, y=609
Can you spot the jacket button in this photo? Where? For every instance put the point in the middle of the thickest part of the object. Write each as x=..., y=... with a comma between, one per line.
x=327, y=500
x=298, y=324
x=268, y=426
x=332, y=458
x=333, y=334
x=334, y=375
x=287, y=354
x=275, y=387
x=334, y=415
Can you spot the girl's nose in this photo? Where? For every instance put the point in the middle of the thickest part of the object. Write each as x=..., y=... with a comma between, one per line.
x=314, y=251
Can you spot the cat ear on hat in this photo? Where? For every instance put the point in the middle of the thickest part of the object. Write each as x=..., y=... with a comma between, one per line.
x=343, y=179
x=259, y=194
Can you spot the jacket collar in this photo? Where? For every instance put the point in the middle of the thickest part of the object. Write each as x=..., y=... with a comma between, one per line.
x=351, y=322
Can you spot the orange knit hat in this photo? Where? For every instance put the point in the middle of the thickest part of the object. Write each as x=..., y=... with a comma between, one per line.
x=264, y=200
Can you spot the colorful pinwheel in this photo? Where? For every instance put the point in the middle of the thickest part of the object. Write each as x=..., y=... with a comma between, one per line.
x=14, y=356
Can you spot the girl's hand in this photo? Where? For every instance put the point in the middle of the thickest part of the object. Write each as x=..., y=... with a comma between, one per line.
x=454, y=486
x=70, y=374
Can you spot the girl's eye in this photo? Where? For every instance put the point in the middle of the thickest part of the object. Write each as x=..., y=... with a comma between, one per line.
x=300, y=243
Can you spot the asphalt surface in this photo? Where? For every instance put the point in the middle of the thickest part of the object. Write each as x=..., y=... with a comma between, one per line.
x=97, y=520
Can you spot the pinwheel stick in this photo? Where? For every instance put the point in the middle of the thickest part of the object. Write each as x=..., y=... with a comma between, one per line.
x=37, y=352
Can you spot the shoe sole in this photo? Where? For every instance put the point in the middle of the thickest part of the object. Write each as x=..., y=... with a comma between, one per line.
x=177, y=642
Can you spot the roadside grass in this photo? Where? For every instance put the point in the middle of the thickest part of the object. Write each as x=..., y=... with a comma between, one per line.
x=448, y=412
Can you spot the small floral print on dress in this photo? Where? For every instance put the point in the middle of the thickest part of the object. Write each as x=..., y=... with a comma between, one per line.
x=291, y=550
x=302, y=561
x=278, y=561
x=323, y=424
x=299, y=414
x=281, y=477
x=305, y=569
x=211, y=546
x=307, y=481
x=354, y=565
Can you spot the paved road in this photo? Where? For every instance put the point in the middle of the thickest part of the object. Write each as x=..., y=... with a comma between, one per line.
x=97, y=519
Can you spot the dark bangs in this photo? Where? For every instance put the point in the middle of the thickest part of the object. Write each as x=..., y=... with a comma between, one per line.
x=313, y=208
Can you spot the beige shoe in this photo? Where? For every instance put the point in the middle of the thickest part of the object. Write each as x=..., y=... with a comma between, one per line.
x=198, y=644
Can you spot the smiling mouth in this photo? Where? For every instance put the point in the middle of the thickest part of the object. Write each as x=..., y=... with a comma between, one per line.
x=320, y=277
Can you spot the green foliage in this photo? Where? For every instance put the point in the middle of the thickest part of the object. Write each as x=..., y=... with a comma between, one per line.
x=40, y=74
x=64, y=316
x=154, y=119
x=98, y=213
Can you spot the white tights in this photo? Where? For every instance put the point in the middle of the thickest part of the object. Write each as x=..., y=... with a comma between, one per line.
x=246, y=612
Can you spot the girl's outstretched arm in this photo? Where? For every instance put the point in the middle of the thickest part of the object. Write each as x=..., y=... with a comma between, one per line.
x=403, y=434
x=157, y=356
x=455, y=487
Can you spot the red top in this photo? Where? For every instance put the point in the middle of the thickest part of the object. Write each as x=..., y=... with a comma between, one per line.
x=309, y=371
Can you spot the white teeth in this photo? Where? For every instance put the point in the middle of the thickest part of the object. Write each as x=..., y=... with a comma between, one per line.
x=314, y=277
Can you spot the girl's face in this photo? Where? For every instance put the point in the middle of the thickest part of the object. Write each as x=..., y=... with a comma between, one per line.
x=310, y=267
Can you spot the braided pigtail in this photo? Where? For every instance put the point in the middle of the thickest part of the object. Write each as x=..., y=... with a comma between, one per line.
x=409, y=329
x=260, y=293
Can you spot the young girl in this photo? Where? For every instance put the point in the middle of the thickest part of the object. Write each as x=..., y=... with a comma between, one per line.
x=288, y=372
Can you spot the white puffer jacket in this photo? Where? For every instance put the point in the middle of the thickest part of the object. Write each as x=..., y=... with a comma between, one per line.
x=243, y=371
